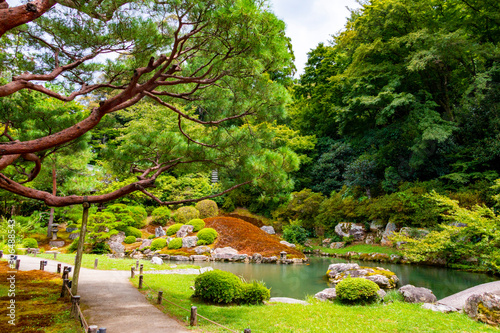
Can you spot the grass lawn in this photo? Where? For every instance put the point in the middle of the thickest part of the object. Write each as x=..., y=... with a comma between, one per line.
x=38, y=307
x=360, y=248
x=318, y=317
x=105, y=263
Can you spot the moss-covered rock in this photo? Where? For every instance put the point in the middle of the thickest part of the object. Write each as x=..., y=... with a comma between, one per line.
x=382, y=277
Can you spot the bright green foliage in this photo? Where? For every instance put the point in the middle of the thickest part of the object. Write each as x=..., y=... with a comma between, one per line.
x=208, y=235
x=103, y=225
x=198, y=224
x=151, y=236
x=254, y=293
x=303, y=206
x=356, y=291
x=131, y=231
x=185, y=214
x=100, y=248
x=218, y=287
x=175, y=244
x=134, y=216
x=295, y=234
x=158, y=244
x=172, y=230
x=129, y=240
x=30, y=243
x=477, y=237
x=161, y=215
x=139, y=215
x=207, y=208
x=202, y=242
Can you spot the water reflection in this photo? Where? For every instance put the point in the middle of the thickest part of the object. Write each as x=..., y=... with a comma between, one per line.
x=297, y=281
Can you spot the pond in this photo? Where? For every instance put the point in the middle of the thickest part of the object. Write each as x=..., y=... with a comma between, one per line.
x=298, y=281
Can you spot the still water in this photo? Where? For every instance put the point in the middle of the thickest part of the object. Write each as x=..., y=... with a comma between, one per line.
x=297, y=281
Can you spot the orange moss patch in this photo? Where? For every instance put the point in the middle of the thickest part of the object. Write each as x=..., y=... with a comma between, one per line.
x=247, y=238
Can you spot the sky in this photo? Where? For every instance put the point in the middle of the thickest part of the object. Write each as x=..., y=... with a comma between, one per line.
x=311, y=22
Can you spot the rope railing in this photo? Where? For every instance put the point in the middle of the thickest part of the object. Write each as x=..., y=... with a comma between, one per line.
x=193, y=310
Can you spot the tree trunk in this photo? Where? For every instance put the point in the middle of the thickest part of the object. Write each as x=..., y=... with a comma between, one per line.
x=54, y=189
x=79, y=251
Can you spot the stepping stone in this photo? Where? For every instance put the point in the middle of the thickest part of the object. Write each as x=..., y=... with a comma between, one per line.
x=287, y=300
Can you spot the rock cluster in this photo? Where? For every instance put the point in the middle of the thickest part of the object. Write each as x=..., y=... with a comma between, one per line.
x=484, y=308
x=382, y=277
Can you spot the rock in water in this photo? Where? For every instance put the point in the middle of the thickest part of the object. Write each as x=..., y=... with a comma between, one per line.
x=484, y=308
x=156, y=261
x=159, y=232
x=413, y=294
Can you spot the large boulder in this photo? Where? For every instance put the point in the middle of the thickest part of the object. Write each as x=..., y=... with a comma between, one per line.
x=145, y=243
x=73, y=235
x=268, y=229
x=335, y=269
x=198, y=258
x=184, y=230
x=257, y=258
x=189, y=241
x=224, y=253
x=326, y=242
x=288, y=244
x=328, y=294
x=156, y=261
x=337, y=245
x=346, y=229
x=484, y=308
x=382, y=277
x=160, y=232
x=377, y=226
x=115, y=242
x=202, y=249
x=414, y=294
x=390, y=228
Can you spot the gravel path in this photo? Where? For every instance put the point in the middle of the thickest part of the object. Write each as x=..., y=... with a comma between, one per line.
x=458, y=300
x=110, y=301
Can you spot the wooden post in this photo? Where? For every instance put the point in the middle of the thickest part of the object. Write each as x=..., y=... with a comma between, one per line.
x=42, y=266
x=137, y=265
x=102, y=330
x=160, y=296
x=142, y=268
x=92, y=329
x=75, y=300
x=194, y=318
x=140, y=281
x=18, y=263
x=58, y=268
x=55, y=255
x=79, y=251
x=96, y=262
x=34, y=253
x=132, y=272
x=247, y=330
x=63, y=290
x=65, y=273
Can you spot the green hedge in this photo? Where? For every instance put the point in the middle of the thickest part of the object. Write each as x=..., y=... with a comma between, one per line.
x=131, y=231
x=208, y=235
x=30, y=242
x=129, y=239
x=218, y=287
x=172, y=230
x=158, y=244
x=161, y=215
x=357, y=290
x=198, y=224
x=207, y=208
x=175, y=244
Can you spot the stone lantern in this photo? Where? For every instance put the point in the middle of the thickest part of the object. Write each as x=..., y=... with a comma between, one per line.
x=55, y=229
x=283, y=255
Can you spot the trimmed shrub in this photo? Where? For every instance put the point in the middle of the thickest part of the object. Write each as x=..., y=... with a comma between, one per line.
x=30, y=242
x=207, y=208
x=208, y=235
x=129, y=239
x=218, y=287
x=151, y=237
x=295, y=234
x=185, y=214
x=172, y=230
x=100, y=248
x=158, y=244
x=357, y=290
x=198, y=224
x=139, y=215
x=161, y=215
x=255, y=293
x=202, y=242
x=175, y=244
x=131, y=231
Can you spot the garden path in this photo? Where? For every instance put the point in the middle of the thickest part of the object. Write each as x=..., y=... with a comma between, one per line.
x=458, y=300
x=109, y=300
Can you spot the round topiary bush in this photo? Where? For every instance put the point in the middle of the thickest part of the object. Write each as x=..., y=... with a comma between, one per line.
x=207, y=208
x=172, y=230
x=255, y=293
x=218, y=287
x=131, y=231
x=139, y=215
x=185, y=214
x=208, y=235
x=356, y=290
x=198, y=224
x=30, y=243
x=175, y=244
x=161, y=215
x=202, y=242
x=129, y=239
x=158, y=244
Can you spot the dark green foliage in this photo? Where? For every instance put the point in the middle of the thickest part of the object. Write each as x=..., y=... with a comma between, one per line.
x=172, y=230
x=295, y=234
x=254, y=293
x=303, y=206
x=158, y=244
x=73, y=246
x=161, y=215
x=30, y=242
x=103, y=225
x=207, y=208
x=198, y=224
x=131, y=231
x=357, y=291
x=185, y=214
x=134, y=216
x=208, y=235
x=175, y=244
x=100, y=248
x=129, y=239
x=218, y=287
